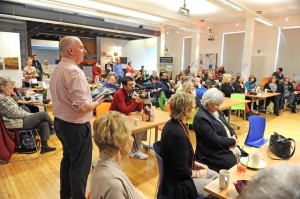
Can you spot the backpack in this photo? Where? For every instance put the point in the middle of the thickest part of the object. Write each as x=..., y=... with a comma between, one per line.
x=28, y=143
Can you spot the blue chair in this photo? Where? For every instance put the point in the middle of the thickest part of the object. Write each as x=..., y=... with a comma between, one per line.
x=255, y=137
x=160, y=163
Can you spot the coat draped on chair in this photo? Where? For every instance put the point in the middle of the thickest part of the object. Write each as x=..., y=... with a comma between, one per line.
x=7, y=143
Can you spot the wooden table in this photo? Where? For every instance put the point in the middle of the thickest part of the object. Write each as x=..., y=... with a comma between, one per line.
x=228, y=103
x=231, y=193
x=161, y=117
x=36, y=103
x=260, y=96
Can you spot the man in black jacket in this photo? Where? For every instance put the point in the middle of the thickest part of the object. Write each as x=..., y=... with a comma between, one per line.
x=167, y=86
x=38, y=67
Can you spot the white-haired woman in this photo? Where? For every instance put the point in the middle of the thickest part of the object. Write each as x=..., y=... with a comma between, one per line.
x=183, y=178
x=278, y=181
x=215, y=138
x=112, y=135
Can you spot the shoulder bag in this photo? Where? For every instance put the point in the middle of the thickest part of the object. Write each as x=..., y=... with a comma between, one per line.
x=282, y=147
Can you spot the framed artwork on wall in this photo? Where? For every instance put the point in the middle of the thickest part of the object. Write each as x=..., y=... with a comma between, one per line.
x=11, y=63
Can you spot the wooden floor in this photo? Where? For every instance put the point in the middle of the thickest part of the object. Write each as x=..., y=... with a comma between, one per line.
x=39, y=178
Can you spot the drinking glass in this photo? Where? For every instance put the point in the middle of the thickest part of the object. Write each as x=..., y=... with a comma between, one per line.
x=241, y=168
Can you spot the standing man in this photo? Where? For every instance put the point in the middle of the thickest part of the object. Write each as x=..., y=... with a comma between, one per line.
x=118, y=69
x=278, y=74
x=73, y=109
x=38, y=67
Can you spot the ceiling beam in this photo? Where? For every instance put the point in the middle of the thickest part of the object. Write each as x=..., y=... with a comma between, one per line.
x=15, y=10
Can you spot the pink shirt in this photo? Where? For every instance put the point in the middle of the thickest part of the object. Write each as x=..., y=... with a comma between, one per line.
x=69, y=92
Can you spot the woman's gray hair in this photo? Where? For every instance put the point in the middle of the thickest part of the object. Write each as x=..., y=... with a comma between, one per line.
x=4, y=82
x=186, y=86
x=278, y=181
x=195, y=81
x=212, y=96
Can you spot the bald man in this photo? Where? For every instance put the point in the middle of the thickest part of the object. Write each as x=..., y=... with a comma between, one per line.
x=72, y=109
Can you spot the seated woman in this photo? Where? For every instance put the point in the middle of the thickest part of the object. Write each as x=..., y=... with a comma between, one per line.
x=199, y=88
x=183, y=177
x=239, y=87
x=112, y=135
x=273, y=86
x=251, y=84
x=289, y=94
x=226, y=88
x=215, y=139
x=188, y=87
x=15, y=118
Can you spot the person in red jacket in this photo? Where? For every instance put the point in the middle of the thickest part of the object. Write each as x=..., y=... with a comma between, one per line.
x=96, y=70
x=124, y=103
x=130, y=68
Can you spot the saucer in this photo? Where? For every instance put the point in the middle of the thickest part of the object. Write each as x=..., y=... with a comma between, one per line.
x=262, y=164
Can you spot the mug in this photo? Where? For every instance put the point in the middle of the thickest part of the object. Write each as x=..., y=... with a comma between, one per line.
x=136, y=121
x=255, y=159
x=224, y=178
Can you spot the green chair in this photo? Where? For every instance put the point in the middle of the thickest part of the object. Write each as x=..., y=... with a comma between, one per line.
x=239, y=107
x=190, y=121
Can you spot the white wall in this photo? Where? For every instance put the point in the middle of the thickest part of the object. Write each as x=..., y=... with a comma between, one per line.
x=233, y=52
x=140, y=52
x=289, y=58
x=174, y=43
x=264, y=38
x=10, y=47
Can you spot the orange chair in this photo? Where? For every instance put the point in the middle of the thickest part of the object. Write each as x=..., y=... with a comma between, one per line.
x=263, y=81
x=167, y=109
x=102, y=108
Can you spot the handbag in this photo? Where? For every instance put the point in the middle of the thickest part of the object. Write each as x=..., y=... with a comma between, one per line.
x=281, y=146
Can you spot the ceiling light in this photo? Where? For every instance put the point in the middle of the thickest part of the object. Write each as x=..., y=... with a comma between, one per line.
x=230, y=5
x=263, y=21
x=286, y=19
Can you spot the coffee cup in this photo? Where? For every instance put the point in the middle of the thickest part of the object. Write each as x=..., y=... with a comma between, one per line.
x=266, y=90
x=136, y=121
x=224, y=178
x=255, y=159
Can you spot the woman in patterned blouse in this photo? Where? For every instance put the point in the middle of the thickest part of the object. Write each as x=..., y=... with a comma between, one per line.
x=29, y=72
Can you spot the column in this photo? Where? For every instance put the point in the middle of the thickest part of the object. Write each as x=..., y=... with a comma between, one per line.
x=161, y=41
x=195, y=53
x=248, y=46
